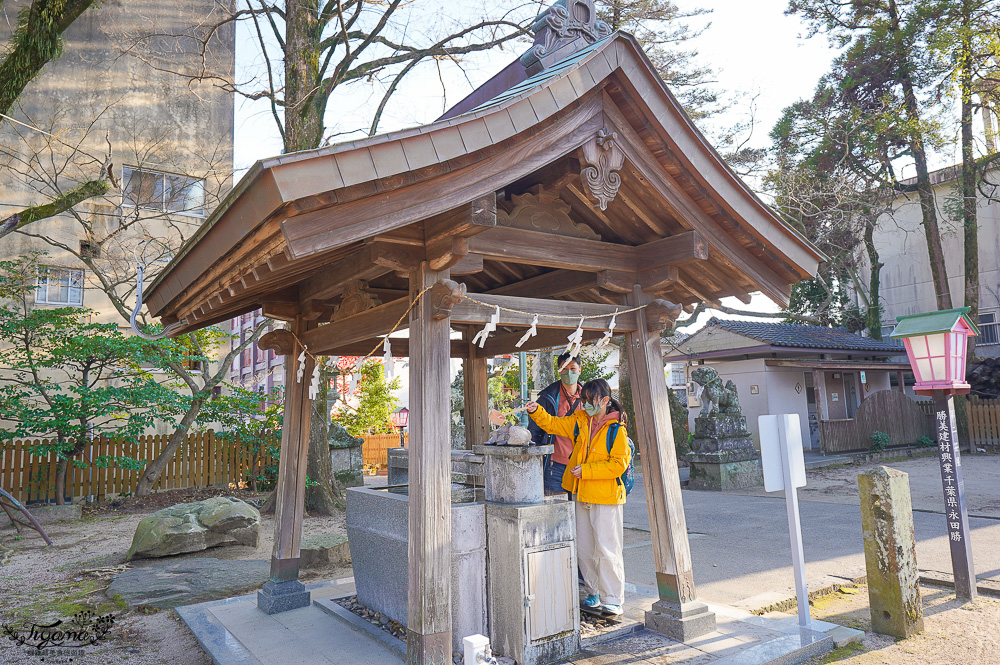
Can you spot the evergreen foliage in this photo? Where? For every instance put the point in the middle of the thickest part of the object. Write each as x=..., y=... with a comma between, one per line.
x=373, y=414
x=251, y=421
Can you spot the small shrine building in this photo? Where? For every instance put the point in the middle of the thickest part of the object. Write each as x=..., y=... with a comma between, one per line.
x=571, y=186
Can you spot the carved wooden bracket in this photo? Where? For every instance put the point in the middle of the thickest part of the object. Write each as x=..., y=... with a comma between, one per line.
x=282, y=342
x=444, y=295
x=446, y=252
x=357, y=299
x=605, y=159
x=661, y=314
x=541, y=209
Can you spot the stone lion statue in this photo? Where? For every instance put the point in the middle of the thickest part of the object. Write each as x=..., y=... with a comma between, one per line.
x=716, y=397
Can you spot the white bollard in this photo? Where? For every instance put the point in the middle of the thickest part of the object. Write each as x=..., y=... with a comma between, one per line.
x=475, y=649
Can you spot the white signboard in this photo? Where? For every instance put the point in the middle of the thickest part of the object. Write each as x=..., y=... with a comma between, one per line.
x=777, y=432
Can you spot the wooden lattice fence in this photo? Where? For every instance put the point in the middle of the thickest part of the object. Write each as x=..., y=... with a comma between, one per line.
x=204, y=460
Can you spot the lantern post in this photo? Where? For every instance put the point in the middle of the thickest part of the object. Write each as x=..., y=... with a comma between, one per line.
x=936, y=346
x=400, y=419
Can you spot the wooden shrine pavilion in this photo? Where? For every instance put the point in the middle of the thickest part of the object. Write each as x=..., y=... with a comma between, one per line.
x=570, y=185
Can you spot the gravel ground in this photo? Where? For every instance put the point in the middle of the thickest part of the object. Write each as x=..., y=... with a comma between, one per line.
x=40, y=584
x=954, y=634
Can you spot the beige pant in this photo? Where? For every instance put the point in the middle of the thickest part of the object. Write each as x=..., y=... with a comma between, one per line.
x=599, y=540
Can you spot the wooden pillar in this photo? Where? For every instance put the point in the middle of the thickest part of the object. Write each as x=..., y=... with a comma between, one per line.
x=900, y=380
x=819, y=388
x=428, y=638
x=283, y=591
x=477, y=398
x=677, y=614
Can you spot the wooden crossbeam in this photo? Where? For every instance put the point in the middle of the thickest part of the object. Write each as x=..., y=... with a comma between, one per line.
x=510, y=245
x=542, y=249
x=549, y=285
x=364, y=326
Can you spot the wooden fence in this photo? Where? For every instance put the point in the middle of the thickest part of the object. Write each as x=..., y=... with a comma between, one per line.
x=204, y=460
x=886, y=411
x=374, y=451
x=984, y=421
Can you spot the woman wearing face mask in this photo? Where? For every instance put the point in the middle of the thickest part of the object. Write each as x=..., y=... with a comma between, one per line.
x=593, y=478
x=561, y=398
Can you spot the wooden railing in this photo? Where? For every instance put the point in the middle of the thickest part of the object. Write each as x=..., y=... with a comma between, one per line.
x=886, y=411
x=204, y=460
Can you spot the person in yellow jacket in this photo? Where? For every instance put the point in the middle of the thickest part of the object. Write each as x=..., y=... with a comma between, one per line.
x=592, y=477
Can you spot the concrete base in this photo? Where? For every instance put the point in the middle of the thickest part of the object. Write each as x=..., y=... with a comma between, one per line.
x=282, y=596
x=722, y=476
x=680, y=622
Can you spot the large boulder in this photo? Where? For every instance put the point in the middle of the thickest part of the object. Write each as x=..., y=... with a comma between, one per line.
x=192, y=527
x=324, y=549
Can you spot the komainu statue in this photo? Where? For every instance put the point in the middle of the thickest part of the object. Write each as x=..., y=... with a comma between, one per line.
x=716, y=397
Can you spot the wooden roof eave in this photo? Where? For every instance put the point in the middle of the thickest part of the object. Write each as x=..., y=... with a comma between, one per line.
x=280, y=182
x=705, y=163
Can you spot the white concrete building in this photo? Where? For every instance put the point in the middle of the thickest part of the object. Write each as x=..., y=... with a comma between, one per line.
x=818, y=373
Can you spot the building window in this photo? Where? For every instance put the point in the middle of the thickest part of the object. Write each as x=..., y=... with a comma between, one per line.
x=164, y=192
x=59, y=286
x=988, y=333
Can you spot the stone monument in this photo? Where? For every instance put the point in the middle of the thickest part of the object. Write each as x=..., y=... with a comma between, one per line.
x=722, y=455
x=345, y=456
x=890, y=552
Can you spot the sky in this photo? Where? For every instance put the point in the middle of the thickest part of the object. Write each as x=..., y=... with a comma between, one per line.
x=757, y=51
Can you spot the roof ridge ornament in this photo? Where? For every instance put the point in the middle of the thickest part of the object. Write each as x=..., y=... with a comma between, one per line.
x=564, y=28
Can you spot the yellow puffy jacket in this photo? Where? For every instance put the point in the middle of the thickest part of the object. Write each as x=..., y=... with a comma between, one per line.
x=600, y=471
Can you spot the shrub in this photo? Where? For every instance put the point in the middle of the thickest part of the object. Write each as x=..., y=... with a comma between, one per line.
x=880, y=441
x=925, y=441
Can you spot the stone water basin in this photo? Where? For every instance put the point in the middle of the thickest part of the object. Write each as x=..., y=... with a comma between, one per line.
x=377, y=527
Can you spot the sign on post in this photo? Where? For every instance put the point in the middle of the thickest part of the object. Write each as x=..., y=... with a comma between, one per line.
x=785, y=468
x=773, y=429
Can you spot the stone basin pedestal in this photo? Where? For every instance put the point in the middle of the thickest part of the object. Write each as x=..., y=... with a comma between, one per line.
x=722, y=455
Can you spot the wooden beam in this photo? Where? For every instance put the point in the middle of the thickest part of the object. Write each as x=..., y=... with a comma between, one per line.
x=475, y=314
x=535, y=248
x=469, y=264
x=657, y=279
x=444, y=253
x=428, y=630
x=365, y=263
x=366, y=325
x=468, y=220
x=400, y=347
x=655, y=436
x=679, y=249
x=549, y=285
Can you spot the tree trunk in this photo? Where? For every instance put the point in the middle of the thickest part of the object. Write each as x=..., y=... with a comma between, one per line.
x=305, y=102
x=970, y=224
x=625, y=385
x=932, y=234
x=873, y=317
x=546, y=369
x=61, y=469
x=153, y=470
x=322, y=494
